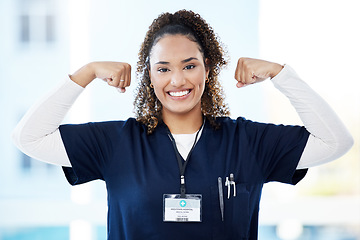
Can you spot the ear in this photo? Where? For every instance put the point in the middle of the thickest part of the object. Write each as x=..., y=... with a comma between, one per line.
x=207, y=66
x=151, y=85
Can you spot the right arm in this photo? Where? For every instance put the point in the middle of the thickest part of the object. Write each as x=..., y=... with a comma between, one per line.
x=38, y=135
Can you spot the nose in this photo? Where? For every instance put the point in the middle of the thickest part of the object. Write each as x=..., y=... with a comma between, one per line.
x=178, y=79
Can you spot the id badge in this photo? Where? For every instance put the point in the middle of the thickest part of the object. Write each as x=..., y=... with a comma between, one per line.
x=177, y=209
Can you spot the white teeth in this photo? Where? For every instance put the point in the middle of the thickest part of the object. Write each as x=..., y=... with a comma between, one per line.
x=179, y=94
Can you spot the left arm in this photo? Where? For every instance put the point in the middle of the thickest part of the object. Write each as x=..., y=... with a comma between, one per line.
x=329, y=139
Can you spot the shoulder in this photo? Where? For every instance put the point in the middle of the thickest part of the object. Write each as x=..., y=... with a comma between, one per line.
x=226, y=126
x=227, y=122
x=249, y=127
x=104, y=127
x=129, y=124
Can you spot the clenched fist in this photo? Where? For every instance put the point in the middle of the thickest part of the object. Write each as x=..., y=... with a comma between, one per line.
x=116, y=74
x=250, y=71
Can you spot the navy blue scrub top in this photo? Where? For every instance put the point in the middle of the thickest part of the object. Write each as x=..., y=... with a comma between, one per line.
x=139, y=168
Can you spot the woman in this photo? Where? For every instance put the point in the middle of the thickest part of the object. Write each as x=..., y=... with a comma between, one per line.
x=183, y=169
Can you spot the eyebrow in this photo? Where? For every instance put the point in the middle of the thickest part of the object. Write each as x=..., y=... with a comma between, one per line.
x=183, y=61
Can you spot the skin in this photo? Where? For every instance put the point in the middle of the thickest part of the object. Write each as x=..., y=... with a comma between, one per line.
x=249, y=71
x=116, y=74
x=178, y=73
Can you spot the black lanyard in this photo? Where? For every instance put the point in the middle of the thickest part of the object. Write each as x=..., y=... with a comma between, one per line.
x=181, y=163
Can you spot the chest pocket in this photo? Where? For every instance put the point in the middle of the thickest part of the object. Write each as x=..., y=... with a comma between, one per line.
x=235, y=223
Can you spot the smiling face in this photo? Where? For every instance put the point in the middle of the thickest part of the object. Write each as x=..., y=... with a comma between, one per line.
x=178, y=74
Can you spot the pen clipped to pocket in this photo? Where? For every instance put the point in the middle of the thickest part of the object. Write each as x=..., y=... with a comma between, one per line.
x=221, y=197
x=229, y=183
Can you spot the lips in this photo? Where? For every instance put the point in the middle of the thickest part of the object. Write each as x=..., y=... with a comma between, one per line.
x=179, y=93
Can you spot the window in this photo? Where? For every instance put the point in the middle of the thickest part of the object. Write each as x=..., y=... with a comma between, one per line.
x=36, y=21
x=31, y=166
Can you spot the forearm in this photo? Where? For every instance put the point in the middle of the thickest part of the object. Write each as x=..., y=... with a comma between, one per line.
x=329, y=137
x=84, y=75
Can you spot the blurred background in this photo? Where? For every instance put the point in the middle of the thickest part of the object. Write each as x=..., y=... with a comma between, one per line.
x=41, y=41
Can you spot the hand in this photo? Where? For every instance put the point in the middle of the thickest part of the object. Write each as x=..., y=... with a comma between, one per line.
x=116, y=74
x=250, y=71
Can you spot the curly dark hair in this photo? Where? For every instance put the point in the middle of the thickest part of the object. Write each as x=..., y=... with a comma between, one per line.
x=147, y=106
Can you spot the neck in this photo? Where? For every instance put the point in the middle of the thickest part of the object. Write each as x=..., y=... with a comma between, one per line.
x=184, y=123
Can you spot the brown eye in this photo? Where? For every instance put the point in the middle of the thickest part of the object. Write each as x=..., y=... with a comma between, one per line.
x=163, y=70
x=191, y=66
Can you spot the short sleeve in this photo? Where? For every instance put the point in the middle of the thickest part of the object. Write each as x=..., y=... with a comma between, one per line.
x=278, y=149
x=88, y=147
